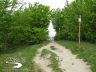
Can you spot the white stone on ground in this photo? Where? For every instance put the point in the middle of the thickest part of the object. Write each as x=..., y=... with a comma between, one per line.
x=16, y=64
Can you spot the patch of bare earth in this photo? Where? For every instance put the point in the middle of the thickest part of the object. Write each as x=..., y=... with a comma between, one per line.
x=67, y=61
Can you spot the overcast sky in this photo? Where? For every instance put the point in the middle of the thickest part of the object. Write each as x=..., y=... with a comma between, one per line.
x=52, y=3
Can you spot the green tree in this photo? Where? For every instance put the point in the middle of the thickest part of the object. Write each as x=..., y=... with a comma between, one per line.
x=22, y=26
x=66, y=20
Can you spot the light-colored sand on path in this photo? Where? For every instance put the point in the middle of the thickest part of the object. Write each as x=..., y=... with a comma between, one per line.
x=67, y=61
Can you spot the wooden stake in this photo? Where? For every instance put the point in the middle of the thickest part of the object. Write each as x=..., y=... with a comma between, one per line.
x=79, y=38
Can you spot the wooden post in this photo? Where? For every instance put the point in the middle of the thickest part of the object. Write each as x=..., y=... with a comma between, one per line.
x=79, y=38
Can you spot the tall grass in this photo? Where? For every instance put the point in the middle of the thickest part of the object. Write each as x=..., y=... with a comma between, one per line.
x=23, y=55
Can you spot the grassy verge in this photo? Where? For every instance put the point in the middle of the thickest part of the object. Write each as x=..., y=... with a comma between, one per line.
x=23, y=55
x=53, y=58
x=87, y=51
x=52, y=47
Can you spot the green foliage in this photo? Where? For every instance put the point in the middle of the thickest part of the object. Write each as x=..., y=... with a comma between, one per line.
x=45, y=52
x=54, y=63
x=52, y=47
x=22, y=26
x=66, y=20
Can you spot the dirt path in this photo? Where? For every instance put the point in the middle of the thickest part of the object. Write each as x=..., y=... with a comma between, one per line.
x=67, y=61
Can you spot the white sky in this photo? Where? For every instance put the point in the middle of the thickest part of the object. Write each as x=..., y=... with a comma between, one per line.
x=52, y=3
